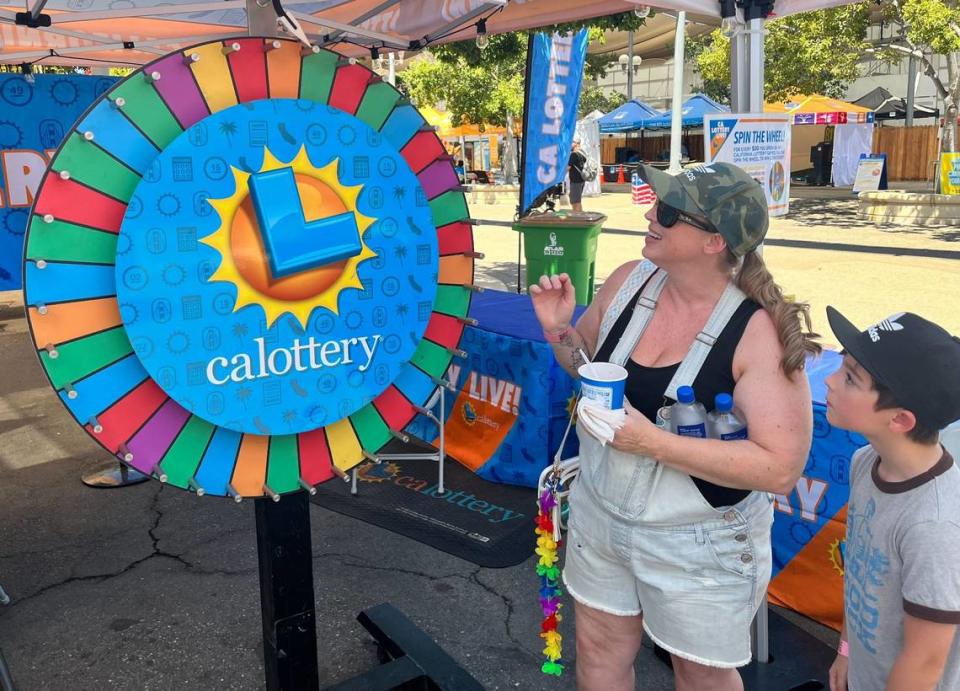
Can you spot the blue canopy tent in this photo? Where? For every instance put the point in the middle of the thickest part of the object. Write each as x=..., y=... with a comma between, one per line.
x=694, y=108
x=632, y=116
x=629, y=117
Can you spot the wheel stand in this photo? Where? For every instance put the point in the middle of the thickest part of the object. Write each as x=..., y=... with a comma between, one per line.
x=111, y=474
x=6, y=679
x=412, y=660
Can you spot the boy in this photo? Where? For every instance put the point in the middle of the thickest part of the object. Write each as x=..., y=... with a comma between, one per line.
x=898, y=386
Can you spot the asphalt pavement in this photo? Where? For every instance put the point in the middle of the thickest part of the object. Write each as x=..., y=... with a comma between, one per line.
x=149, y=587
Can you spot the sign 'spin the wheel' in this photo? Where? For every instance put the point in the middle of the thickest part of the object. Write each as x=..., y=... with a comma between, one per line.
x=202, y=333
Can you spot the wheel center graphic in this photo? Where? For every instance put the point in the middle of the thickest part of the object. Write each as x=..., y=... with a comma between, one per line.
x=264, y=273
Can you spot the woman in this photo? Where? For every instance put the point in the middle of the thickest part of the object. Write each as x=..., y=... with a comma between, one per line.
x=670, y=534
x=575, y=164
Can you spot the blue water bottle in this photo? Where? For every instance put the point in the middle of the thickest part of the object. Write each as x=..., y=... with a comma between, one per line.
x=723, y=422
x=689, y=417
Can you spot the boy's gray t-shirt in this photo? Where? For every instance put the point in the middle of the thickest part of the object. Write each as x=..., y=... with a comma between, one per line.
x=902, y=555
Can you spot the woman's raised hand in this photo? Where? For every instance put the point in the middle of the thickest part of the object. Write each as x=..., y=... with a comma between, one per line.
x=554, y=299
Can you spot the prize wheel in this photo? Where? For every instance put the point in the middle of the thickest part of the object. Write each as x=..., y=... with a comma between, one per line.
x=246, y=267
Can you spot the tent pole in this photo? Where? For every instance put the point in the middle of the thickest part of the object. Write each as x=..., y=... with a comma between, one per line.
x=521, y=211
x=739, y=70
x=755, y=48
x=677, y=111
x=911, y=89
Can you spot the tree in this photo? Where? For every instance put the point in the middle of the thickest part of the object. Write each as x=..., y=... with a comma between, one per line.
x=479, y=93
x=932, y=27
x=811, y=52
x=819, y=52
x=486, y=86
x=593, y=98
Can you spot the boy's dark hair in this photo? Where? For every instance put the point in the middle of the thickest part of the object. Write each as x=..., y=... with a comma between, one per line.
x=921, y=433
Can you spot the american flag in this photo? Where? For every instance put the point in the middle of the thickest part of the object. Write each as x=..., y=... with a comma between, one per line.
x=642, y=192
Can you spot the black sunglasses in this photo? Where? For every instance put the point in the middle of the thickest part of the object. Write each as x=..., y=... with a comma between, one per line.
x=668, y=216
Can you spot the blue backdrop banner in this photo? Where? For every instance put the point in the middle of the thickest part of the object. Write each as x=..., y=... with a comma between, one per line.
x=34, y=118
x=553, y=90
x=513, y=400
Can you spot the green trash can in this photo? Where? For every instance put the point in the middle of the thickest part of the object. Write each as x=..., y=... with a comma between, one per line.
x=564, y=242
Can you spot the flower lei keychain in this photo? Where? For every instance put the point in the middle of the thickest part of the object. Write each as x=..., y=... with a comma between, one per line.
x=549, y=574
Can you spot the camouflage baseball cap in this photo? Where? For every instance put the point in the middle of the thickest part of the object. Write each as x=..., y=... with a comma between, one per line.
x=723, y=194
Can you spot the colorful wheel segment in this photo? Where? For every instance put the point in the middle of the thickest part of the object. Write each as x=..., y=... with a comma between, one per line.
x=247, y=266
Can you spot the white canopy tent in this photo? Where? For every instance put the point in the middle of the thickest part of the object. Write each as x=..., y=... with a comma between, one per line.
x=850, y=141
x=95, y=32
x=588, y=131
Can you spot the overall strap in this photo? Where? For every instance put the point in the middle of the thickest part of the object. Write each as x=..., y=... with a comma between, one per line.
x=642, y=314
x=693, y=361
x=634, y=281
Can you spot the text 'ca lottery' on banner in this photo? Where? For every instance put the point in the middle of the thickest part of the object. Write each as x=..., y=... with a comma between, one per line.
x=553, y=91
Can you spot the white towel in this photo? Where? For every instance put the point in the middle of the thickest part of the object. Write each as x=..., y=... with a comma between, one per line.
x=602, y=423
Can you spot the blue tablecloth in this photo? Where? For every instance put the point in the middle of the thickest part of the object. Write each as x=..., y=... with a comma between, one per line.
x=506, y=351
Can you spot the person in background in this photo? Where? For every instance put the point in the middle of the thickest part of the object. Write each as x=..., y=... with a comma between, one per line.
x=898, y=386
x=576, y=163
x=461, y=173
x=670, y=535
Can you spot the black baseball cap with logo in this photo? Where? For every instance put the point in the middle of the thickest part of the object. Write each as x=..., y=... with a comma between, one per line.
x=913, y=357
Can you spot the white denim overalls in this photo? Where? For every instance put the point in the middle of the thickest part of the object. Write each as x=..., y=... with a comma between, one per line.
x=633, y=516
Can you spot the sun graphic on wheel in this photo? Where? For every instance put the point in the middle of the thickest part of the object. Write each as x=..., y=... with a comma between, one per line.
x=290, y=237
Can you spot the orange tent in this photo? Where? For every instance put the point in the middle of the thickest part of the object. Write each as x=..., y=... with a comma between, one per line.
x=820, y=110
x=445, y=129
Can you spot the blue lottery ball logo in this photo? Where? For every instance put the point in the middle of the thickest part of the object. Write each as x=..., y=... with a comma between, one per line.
x=282, y=302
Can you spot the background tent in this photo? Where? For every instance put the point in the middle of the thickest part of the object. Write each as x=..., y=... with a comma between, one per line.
x=628, y=117
x=445, y=129
x=886, y=106
x=852, y=136
x=479, y=146
x=821, y=110
x=694, y=108
x=588, y=132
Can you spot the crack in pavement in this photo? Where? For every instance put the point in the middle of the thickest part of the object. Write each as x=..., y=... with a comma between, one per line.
x=156, y=552
x=97, y=578
x=508, y=604
x=351, y=560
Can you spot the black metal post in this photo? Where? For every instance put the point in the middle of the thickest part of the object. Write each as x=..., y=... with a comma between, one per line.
x=286, y=593
x=6, y=680
x=521, y=211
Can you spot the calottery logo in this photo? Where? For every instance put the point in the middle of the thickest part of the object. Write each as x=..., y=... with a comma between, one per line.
x=269, y=280
x=279, y=260
x=719, y=132
x=290, y=237
x=393, y=473
x=300, y=358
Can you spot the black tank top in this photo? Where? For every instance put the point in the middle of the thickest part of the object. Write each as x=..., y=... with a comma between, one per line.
x=645, y=385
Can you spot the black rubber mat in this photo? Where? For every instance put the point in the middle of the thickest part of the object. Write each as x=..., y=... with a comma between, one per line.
x=488, y=524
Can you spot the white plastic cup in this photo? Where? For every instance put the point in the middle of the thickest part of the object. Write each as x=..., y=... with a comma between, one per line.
x=603, y=383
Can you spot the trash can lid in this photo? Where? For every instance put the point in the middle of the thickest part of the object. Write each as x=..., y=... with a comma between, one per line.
x=563, y=218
